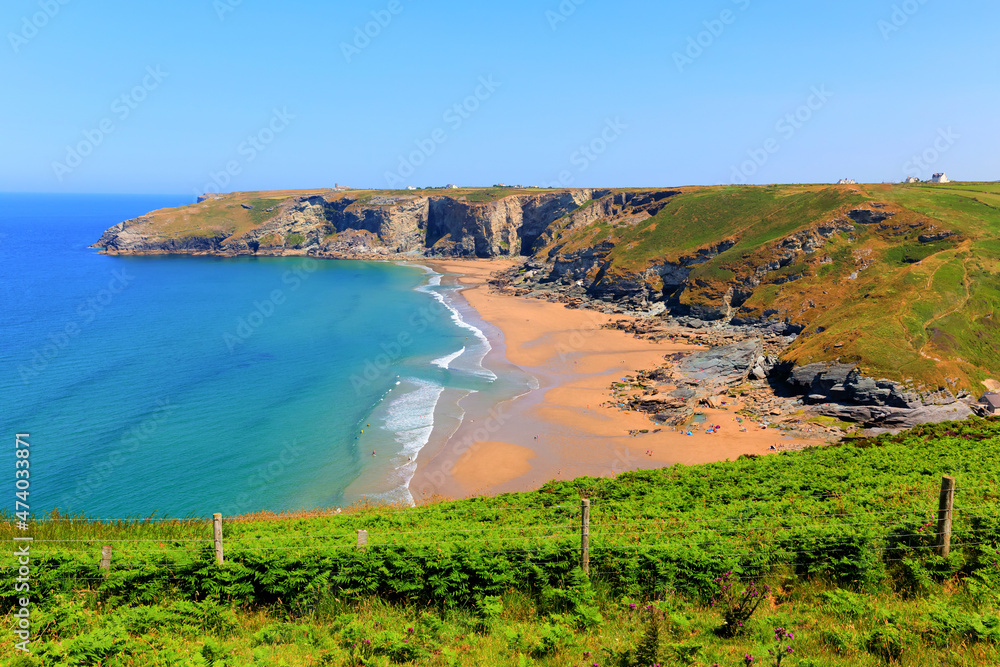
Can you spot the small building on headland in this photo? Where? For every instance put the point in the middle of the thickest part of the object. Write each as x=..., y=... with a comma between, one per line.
x=991, y=403
x=939, y=178
x=847, y=181
x=452, y=186
x=912, y=179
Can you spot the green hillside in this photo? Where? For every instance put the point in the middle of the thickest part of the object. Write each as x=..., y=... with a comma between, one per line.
x=891, y=296
x=841, y=537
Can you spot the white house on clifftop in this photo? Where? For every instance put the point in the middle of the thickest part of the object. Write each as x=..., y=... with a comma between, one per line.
x=939, y=178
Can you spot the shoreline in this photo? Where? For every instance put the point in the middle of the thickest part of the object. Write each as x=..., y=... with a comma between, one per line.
x=564, y=428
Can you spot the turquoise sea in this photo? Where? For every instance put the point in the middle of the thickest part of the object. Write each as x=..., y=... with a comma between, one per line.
x=183, y=386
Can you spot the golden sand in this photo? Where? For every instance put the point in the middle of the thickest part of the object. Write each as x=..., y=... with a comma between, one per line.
x=564, y=429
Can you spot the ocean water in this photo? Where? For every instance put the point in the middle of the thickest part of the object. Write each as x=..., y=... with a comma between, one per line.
x=183, y=386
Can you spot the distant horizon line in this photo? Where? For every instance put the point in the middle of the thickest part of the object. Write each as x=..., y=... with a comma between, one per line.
x=483, y=187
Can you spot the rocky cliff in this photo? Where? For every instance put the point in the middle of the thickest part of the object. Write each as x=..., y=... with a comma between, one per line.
x=328, y=225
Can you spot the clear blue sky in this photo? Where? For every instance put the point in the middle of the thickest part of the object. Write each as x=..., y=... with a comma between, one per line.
x=898, y=80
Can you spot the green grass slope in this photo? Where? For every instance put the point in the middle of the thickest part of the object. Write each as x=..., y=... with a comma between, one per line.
x=843, y=537
x=901, y=307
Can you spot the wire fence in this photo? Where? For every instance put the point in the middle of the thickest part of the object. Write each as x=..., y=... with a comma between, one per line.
x=761, y=539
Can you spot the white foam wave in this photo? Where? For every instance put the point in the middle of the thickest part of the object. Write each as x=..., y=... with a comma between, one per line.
x=445, y=361
x=410, y=417
x=456, y=317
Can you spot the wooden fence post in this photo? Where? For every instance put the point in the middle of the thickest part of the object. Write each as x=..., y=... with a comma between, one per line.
x=217, y=535
x=945, y=505
x=106, y=559
x=362, y=539
x=585, y=536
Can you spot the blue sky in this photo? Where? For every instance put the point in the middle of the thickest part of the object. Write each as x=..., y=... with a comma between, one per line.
x=222, y=95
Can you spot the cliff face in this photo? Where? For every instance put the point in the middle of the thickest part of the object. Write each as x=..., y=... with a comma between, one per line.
x=377, y=225
x=510, y=226
x=132, y=237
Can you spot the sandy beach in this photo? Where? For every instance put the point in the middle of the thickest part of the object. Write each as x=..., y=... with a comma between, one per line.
x=568, y=427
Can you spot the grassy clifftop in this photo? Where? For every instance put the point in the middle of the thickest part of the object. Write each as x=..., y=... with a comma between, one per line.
x=237, y=213
x=908, y=289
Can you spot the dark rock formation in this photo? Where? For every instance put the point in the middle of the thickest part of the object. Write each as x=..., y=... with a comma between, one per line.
x=892, y=419
x=842, y=383
x=839, y=390
x=937, y=236
x=868, y=217
x=124, y=238
x=723, y=365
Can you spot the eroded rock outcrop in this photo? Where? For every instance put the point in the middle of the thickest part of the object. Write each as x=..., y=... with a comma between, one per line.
x=379, y=225
x=131, y=237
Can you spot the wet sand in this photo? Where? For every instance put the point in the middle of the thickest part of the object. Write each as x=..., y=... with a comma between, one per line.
x=566, y=428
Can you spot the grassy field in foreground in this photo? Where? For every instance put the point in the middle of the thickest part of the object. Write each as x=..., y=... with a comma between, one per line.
x=829, y=627
x=842, y=535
